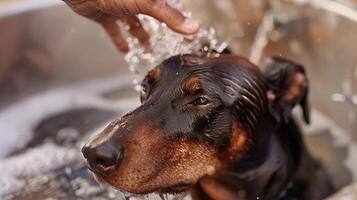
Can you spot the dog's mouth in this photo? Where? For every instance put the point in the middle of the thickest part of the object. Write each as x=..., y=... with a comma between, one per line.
x=178, y=188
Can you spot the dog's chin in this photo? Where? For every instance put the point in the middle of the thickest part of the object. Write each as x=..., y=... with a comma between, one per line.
x=176, y=189
x=179, y=188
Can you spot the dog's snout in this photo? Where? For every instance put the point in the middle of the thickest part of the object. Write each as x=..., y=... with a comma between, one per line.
x=103, y=157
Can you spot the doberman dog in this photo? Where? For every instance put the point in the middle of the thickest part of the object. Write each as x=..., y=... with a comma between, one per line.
x=218, y=127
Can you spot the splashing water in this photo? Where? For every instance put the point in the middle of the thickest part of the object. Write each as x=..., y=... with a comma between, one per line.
x=166, y=43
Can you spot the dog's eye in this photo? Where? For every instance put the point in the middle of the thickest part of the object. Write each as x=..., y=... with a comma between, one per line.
x=200, y=101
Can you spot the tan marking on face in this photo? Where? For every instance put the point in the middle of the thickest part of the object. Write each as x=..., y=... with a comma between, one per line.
x=216, y=190
x=192, y=85
x=154, y=74
x=238, y=145
x=237, y=148
x=153, y=162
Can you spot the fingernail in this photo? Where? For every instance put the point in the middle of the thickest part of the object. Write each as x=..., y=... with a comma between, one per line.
x=191, y=25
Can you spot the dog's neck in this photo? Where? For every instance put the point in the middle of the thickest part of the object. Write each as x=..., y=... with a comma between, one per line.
x=260, y=174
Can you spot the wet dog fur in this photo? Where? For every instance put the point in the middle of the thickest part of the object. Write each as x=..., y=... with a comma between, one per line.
x=218, y=127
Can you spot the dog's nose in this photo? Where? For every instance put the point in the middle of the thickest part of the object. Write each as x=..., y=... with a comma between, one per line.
x=103, y=157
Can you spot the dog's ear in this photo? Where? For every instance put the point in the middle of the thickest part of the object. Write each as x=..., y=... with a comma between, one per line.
x=288, y=86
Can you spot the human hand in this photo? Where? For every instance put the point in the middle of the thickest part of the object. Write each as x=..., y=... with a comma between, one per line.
x=108, y=12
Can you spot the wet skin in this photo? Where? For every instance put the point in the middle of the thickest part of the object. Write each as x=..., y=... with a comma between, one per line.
x=216, y=126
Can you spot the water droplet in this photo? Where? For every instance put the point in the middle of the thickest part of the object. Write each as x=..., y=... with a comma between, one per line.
x=166, y=43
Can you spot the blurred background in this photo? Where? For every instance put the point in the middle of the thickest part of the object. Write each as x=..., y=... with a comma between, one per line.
x=61, y=79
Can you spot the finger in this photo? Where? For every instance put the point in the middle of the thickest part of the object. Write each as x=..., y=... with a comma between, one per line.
x=112, y=29
x=174, y=19
x=136, y=29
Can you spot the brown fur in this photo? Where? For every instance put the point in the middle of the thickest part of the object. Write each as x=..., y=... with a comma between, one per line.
x=192, y=85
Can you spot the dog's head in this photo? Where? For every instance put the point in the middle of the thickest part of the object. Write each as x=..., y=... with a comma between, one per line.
x=198, y=115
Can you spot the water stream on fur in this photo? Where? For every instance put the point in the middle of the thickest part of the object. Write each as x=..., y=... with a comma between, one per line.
x=166, y=43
